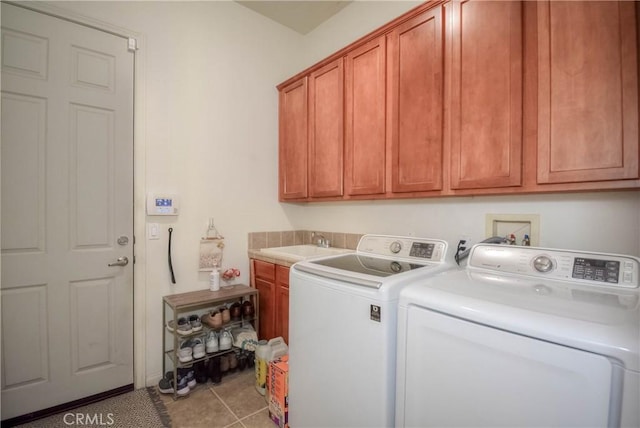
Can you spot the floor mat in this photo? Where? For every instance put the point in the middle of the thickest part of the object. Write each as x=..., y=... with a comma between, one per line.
x=142, y=408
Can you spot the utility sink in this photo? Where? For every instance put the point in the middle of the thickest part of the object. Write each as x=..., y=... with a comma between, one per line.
x=302, y=252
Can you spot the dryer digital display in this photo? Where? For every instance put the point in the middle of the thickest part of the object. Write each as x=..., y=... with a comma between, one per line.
x=422, y=249
x=596, y=270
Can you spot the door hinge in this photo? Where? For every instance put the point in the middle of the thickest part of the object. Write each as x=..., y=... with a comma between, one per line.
x=132, y=44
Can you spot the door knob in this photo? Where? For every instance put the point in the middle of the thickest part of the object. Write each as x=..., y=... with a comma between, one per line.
x=122, y=261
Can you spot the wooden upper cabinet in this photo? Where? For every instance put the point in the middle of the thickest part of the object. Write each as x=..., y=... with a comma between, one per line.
x=416, y=67
x=587, y=91
x=485, y=59
x=365, y=130
x=326, y=130
x=293, y=140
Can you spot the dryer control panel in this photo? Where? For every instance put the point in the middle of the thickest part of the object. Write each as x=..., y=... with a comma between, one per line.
x=577, y=266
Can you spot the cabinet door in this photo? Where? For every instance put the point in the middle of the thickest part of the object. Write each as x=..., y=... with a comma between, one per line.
x=365, y=134
x=486, y=93
x=282, y=302
x=587, y=91
x=264, y=281
x=326, y=130
x=267, y=301
x=415, y=61
x=293, y=140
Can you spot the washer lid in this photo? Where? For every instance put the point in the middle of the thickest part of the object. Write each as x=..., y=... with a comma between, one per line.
x=368, y=265
x=380, y=259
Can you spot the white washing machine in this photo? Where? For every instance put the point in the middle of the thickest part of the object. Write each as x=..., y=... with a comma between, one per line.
x=342, y=330
x=522, y=337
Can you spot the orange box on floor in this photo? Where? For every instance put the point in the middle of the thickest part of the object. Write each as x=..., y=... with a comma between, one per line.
x=278, y=391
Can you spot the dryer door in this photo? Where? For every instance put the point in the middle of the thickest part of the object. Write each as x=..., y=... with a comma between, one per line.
x=457, y=373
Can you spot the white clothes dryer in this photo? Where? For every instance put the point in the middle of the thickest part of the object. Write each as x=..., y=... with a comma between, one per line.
x=522, y=337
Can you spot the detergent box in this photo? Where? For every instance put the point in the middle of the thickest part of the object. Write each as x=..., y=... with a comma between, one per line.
x=278, y=391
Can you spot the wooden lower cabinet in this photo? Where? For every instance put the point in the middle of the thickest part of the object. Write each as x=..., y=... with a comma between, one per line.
x=272, y=283
x=282, y=302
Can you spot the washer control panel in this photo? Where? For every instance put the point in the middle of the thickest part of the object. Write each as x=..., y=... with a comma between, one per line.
x=596, y=269
x=403, y=247
x=578, y=266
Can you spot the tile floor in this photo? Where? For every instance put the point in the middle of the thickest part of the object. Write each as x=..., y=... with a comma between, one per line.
x=233, y=403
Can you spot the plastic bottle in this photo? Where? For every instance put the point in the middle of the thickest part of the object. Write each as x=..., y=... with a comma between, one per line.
x=262, y=363
x=277, y=348
x=526, y=241
x=214, y=280
x=265, y=353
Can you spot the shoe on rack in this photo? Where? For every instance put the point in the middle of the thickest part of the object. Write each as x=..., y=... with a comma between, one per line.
x=212, y=319
x=247, y=309
x=214, y=370
x=196, y=324
x=201, y=371
x=184, y=372
x=224, y=364
x=233, y=361
x=212, y=342
x=171, y=325
x=184, y=326
x=226, y=315
x=185, y=353
x=225, y=340
x=236, y=311
x=198, y=347
x=166, y=385
x=190, y=374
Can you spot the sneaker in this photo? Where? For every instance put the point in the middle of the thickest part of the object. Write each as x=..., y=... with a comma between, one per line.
x=185, y=353
x=166, y=385
x=198, y=347
x=196, y=324
x=190, y=374
x=212, y=342
x=171, y=325
x=184, y=327
x=225, y=340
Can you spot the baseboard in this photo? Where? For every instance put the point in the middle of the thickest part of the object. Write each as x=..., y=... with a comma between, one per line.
x=154, y=379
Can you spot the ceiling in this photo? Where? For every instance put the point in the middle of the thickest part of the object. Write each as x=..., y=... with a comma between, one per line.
x=301, y=16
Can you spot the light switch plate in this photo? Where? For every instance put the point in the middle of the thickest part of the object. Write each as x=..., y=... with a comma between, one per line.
x=517, y=224
x=153, y=231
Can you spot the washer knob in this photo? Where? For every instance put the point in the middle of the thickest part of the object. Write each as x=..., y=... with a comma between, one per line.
x=395, y=247
x=543, y=264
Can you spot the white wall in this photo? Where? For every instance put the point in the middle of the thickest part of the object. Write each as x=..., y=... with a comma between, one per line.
x=210, y=109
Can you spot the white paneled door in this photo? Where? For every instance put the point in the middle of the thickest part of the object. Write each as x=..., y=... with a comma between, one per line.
x=67, y=211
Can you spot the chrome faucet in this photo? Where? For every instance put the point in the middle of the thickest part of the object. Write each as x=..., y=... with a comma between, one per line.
x=320, y=240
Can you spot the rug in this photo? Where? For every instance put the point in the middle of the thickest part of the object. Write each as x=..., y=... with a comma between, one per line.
x=142, y=408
